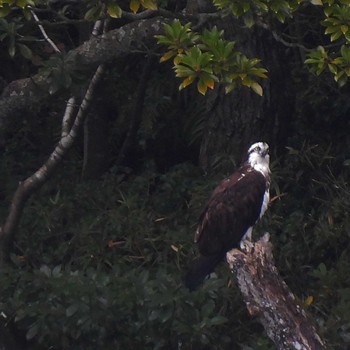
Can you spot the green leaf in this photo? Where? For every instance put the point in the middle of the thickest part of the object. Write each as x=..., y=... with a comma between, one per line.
x=202, y=87
x=4, y=10
x=93, y=13
x=167, y=56
x=249, y=20
x=149, y=4
x=134, y=5
x=257, y=88
x=344, y=28
x=114, y=10
x=27, y=14
x=25, y=51
x=332, y=68
x=189, y=80
x=230, y=87
x=335, y=36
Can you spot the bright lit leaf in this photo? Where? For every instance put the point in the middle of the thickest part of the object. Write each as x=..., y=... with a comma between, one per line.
x=256, y=87
x=344, y=28
x=309, y=300
x=332, y=68
x=114, y=10
x=167, y=56
x=134, y=5
x=208, y=80
x=335, y=36
x=149, y=4
x=202, y=87
x=189, y=80
x=177, y=60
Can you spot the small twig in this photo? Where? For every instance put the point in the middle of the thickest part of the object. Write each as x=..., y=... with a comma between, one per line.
x=53, y=45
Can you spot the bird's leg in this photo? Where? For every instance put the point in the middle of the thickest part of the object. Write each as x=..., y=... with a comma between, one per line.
x=246, y=243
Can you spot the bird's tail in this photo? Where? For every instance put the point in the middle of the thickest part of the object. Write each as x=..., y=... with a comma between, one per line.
x=200, y=268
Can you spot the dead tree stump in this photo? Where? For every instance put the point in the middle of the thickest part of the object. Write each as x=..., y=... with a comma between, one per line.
x=268, y=297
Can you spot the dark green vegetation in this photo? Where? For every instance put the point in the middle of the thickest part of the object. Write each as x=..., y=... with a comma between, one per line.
x=99, y=264
x=97, y=259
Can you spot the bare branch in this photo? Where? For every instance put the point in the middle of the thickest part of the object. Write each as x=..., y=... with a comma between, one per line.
x=53, y=45
x=68, y=117
x=268, y=297
x=69, y=134
x=35, y=181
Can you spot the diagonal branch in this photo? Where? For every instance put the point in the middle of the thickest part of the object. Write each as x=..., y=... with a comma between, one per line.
x=43, y=31
x=70, y=128
x=35, y=181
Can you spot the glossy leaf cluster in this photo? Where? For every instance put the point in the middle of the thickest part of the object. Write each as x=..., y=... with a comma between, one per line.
x=207, y=58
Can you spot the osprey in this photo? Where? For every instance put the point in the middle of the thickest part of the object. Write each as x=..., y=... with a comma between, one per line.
x=235, y=205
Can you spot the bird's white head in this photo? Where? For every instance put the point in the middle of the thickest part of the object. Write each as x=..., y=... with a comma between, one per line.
x=258, y=157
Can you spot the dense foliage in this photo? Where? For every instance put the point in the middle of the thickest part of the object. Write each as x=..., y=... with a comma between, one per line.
x=97, y=261
x=100, y=264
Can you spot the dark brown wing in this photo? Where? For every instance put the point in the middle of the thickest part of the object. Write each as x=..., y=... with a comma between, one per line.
x=233, y=207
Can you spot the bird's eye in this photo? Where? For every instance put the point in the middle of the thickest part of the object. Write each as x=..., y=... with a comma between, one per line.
x=257, y=149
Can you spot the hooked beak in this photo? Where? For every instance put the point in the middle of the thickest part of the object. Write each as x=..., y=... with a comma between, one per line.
x=265, y=153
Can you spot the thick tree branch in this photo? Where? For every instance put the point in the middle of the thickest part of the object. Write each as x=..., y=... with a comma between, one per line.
x=137, y=36
x=268, y=297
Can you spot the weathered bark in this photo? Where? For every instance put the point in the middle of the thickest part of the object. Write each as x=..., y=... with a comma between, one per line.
x=268, y=297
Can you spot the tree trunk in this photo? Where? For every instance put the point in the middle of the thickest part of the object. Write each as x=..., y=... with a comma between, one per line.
x=268, y=297
x=236, y=120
